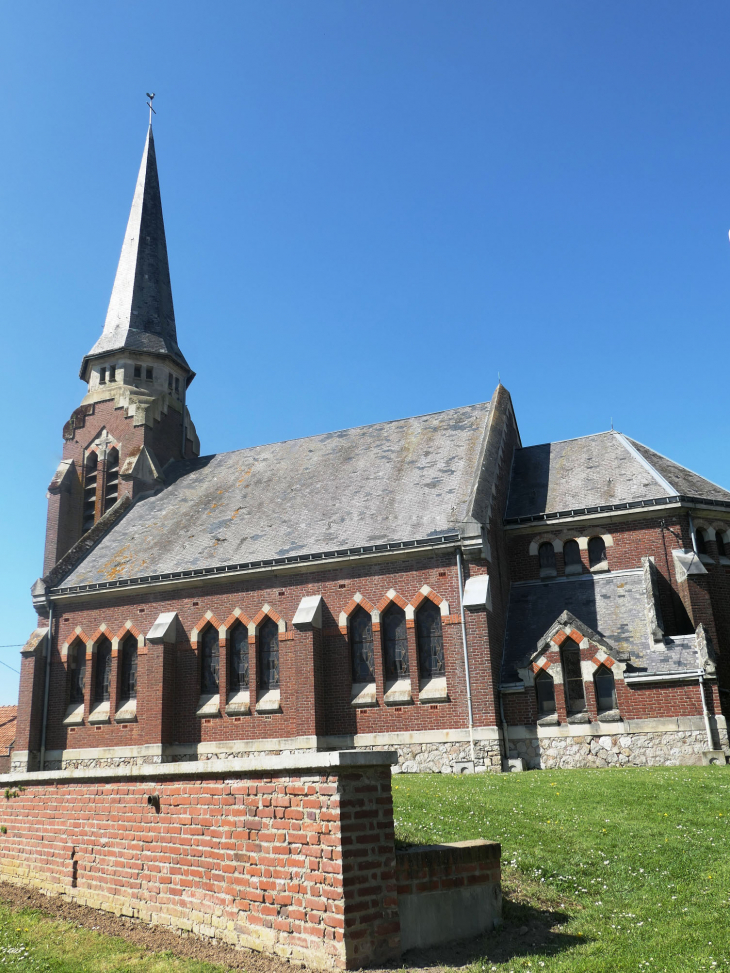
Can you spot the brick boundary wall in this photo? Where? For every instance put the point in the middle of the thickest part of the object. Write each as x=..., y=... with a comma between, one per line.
x=292, y=855
x=446, y=892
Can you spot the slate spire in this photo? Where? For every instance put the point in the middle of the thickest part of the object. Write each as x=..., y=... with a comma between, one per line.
x=141, y=316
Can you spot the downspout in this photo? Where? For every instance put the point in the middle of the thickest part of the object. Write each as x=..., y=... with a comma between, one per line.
x=705, y=712
x=46, y=686
x=466, y=654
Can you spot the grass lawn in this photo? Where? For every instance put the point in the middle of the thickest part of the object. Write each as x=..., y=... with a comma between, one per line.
x=604, y=871
x=637, y=861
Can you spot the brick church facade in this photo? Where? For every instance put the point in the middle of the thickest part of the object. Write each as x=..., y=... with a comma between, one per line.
x=427, y=585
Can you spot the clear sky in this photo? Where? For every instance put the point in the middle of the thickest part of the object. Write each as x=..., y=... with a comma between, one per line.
x=372, y=209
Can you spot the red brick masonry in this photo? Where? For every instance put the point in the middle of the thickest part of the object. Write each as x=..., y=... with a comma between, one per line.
x=291, y=855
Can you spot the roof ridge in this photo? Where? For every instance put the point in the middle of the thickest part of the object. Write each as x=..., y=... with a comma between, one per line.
x=630, y=448
x=570, y=439
x=333, y=432
x=681, y=465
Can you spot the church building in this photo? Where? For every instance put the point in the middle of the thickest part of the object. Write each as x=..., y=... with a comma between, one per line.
x=427, y=585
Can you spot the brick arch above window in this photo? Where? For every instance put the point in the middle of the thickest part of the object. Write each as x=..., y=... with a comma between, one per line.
x=536, y=543
x=260, y=617
x=356, y=600
x=127, y=629
x=237, y=616
x=208, y=619
x=431, y=595
x=76, y=635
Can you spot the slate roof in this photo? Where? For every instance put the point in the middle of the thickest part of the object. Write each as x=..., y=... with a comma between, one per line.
x=408, y=479
x=8, y=717
x=611, y=604
x=141, y=316
x=603, y=469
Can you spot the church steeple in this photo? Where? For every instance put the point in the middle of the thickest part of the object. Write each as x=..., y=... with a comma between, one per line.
x=141, y=317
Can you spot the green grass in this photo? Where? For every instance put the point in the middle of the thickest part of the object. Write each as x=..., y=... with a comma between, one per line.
x=631, y=868
x=637, y=861
x=31, y=942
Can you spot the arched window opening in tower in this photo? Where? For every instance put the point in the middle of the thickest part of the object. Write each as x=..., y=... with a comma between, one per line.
x=112, y=479
x=573, y=677
x=90, y=477
x=720, y=542
x=596, y=551
x=209, y=662
x=430, y=640
x=268, y=655
x=76, y=672
x=128, y=687
x=238, y=659
x=700, y=541
x=361, y=637
x=571, y=554
x=103, y=671
x=605, y=689
x=546, y=554
x=545, y=692
x=395, y=643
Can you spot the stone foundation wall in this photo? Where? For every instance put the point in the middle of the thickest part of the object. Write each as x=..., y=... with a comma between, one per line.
x=661, y=748
x=294, y=857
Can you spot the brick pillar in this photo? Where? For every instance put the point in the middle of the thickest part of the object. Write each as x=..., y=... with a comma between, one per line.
x=158, y=692
x=30, y=699
x=308, y=650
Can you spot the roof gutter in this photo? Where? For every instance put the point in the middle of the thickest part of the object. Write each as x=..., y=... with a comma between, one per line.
x=290, y=564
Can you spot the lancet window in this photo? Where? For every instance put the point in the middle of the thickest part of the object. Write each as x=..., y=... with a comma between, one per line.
x=238, y=659
x=103, y=670
x=209, y=662
x=90, y=476
x=395, y=643
x=76, y=672
x=128, y=687
x=429, y=636
x=573, y=677
x=268, y=667
x=361, y=638
x=545, y=691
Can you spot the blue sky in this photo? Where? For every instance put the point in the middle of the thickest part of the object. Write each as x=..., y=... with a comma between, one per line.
x=372, y=209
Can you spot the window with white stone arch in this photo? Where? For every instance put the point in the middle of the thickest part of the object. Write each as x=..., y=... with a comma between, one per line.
x=545, y=692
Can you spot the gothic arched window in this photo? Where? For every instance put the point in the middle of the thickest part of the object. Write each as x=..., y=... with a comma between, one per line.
x=209, y=662
x=395, y=643
x=571, y=554
x=545, y=691
x=238, y=659
x=90, y=491
x=103, y=671
x=269, y=655
x=128, y=687
x=572, y=677
x=605, y=689
x=361, y=640
x=112, y=479
x=76, y=672
x=596, y=551
x=546, y=554
x=430, y=640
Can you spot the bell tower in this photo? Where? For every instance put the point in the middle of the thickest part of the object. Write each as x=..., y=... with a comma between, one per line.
x=133, y=419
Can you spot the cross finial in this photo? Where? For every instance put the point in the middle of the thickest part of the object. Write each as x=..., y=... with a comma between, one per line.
x=149, y=104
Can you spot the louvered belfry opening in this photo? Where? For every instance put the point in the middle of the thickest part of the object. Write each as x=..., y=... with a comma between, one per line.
x=111, y=489
x=90, y=477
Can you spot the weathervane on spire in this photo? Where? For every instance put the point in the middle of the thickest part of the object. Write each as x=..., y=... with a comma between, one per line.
x=149, y=104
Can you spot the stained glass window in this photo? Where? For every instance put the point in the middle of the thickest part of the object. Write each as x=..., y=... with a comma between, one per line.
x=573, y=677
x=430, y=640
x=76, y=672
x=210, y=662
x=269, y=655
x=129, y=668
x=238, y=667
x=395, y=643
x=103, y=673
x=361, y=637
